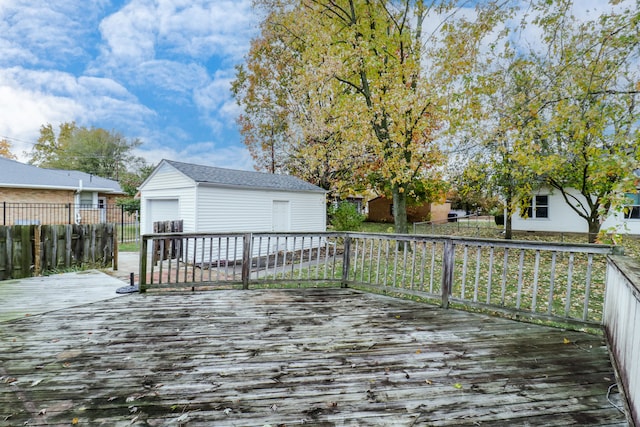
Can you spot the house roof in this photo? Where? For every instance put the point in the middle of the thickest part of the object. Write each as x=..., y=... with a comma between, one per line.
x=20, y=175
x=239, y=178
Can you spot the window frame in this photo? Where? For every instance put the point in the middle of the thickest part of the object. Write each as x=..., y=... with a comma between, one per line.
x=537, y=209
x=632, y=210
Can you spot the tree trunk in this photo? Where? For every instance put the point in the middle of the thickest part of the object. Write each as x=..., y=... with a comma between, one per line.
x=594, y=229
x=400, y=210
x=508, y=232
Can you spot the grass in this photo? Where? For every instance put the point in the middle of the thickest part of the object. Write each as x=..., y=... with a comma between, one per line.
x=129, y=247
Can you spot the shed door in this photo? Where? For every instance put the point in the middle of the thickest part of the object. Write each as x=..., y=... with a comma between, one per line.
x=281, y=218
x=161, y=210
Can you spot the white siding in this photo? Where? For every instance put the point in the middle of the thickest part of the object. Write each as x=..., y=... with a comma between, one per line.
x=564, y=219
x=168, y=184
x=247, y=210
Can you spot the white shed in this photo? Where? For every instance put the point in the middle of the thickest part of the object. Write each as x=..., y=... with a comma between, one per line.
x=211, y=199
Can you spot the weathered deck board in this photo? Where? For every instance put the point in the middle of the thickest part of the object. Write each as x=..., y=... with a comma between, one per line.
x=288, y=357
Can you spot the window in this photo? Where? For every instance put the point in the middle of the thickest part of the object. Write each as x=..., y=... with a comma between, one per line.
x=539, y=207
x=86, y=199
x=632, y=210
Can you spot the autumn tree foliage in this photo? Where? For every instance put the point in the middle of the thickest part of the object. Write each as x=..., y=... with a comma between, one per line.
x=371, y=85
x=579, y=135
x=5, y=149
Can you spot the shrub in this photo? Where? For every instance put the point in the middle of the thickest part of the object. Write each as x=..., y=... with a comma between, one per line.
x=345, y=217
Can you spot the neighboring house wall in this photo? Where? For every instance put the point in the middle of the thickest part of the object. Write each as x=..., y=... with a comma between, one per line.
x=34, y=195
x=380, y=210
x=562, y=218
x=29, y=204
x=440, y=212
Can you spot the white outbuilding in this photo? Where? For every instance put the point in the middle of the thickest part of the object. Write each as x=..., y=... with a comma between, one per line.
x=218, y=200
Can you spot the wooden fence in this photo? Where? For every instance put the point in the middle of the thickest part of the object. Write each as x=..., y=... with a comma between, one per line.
x=32, y=250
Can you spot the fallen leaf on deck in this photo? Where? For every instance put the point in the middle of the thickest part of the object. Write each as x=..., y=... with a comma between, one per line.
x=566, y=341
x=43, y=411
x=75, y=421
x=458, y=386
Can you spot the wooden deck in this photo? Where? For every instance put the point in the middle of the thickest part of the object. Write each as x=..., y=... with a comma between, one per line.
x=329, y=357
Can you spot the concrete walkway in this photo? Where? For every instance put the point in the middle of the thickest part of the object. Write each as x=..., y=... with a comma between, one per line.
x=28, y=297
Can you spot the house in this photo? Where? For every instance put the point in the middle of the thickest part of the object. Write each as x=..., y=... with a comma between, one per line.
x=381, y=210
x=33, y=195
x=215, y=199
x=549, y=212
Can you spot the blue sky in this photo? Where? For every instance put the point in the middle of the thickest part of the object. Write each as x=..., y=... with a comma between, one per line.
x=157, y=70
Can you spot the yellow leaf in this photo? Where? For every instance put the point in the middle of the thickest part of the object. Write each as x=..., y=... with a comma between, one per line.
x=566, y=341
x=75, y=421
x=458, y=386
x=418, y=351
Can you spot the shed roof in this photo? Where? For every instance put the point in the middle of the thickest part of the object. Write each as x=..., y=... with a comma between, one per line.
x=239, y=178
x=20, y=175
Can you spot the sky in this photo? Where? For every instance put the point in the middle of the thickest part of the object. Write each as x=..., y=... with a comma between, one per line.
x=156, y=70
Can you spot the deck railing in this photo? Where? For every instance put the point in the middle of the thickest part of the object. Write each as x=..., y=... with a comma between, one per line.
x=551, y=281
x=622, y=326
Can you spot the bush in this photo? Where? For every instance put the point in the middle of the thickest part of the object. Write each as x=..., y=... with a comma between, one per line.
x=345, y=217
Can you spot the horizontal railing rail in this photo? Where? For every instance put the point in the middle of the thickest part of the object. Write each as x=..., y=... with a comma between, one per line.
x=549, y=281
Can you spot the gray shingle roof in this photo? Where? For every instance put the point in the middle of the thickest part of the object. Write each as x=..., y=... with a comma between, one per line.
x=240, y=178
x=16, y=174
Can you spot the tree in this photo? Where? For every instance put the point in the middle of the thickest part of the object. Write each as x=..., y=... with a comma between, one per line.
x=5, y=150
x=262, y=89
x=505, y=94
x=130, y=182
x=581, y=137
x=372, y=84
x=272, y=118
x=91, y=150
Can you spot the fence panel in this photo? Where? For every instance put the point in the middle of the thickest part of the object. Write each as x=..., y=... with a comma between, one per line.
x=533, y=279
x=28, y=250
x=205, y=260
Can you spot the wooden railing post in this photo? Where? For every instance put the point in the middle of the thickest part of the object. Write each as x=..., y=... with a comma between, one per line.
x=142, y=274
x=246, y=259
x=448, y=264
x=346, y=261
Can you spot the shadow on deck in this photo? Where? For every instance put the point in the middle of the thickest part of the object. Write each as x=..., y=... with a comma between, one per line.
x=289, y=357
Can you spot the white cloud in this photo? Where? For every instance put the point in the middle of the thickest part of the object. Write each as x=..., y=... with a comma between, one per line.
x=41, y=32
x=215, y=102
x=33, y=98
x=218, y=154
x=172, y=76
x=197, y=29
